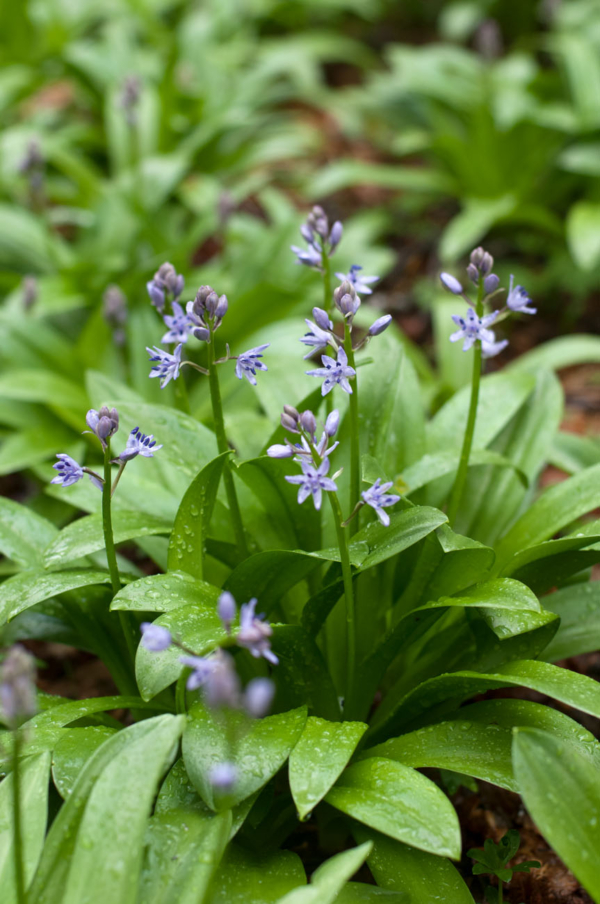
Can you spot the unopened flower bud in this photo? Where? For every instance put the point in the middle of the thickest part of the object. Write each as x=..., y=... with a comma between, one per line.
x=321, y=318
x=211, y=304
x=308, y=422
x=155, y=638
x=258, y=697
x=114, y=306
x=307, y=233
x=157, y=295
x=202, y=334
x=226, y=610
x=317, y=220
x=451, y=283
x=491, y=283
x=335, y=235
x=17, y=686
x=483, y=260
x=380, y=325
x=473, y=273
x=200, y=299
x=332, y=423
x=278, y=450
x=30, y=292
x=222, y=306
x=290, y=418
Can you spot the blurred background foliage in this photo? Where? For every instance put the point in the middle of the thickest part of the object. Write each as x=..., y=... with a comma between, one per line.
x=138, y=131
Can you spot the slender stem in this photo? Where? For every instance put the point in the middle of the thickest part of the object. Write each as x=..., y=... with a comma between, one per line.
x=109, y=541
x=354, y=435
x=500, y=891
x=17, y=828
x=223, y=446
x=463, y=465
x=118, y=477
x=348, y=591
x=326, y=265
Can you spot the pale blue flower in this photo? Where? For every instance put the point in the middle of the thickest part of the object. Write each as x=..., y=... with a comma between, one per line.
x=473, y=328
x=249, y=362
x=223, y=776
x=69, y=472
x=379, y=499
x=179, y=325
x=491, y=348
x=201, y=667
x=451, y=283
x=313, y=481
x=254, y=633
x=139, y=444
x=310, y=256
x=168, y=365
x=518, y=300
x=226, y=610
x=258, y=697
x=380, y=325
x=155, y=638
x=360, y=282
x=334, y=372
x=316, y=338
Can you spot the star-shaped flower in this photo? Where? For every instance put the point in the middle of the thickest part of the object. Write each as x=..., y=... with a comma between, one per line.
x=334, y=372
x=313, y=481
x=518, y=300
x=168, y=365
x=249, y=362
x=473, y=328
x=179, y=325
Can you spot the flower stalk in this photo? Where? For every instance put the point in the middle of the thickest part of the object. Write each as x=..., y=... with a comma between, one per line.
x=17, y=823
x=354, y=434
x=348, y=591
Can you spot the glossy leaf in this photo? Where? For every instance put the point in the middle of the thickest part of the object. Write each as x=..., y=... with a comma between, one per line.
x=187, y=544
x=583, y=233
x=436, y=465
x=243, y=877
x=522, y=561
x=31, y=587
x=578, y=607
x=72, y=751
x=329, y=879
x=257, y=756
x=399, y=802
x=406, y=528
x=163, y=592
x=34, y=814
x=318, y=759
x=84, y=536
x=361, y=893
x=560, y=789
x=565, y=351
x=302, y=675
x=24, y=534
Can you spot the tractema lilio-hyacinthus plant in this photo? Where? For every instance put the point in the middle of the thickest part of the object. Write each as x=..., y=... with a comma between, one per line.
x=322, y=612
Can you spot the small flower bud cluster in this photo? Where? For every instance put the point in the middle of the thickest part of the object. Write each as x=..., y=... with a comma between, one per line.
x=319, y=238
x=166, y=283
x=103, y=423
x=474, y=327
x=114, y=311
x=17, y=686
x=130, y=98
x=207, y=311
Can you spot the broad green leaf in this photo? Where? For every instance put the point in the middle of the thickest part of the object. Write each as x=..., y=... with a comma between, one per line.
x=257, y=755
x=558, y=353
x=423, y=877
x=578, y=607
x=74, y=748
x=477, y=740
x=445, y=691
x=556, y=507
x=399, y=802
x=560, y=789
x=587, y=535
x=346, y=173
x=114, y=822
x=163, y=592
x=43, y=386
x=26, y=243
x=35, y=773
x=472, y=224
x=361, y=893
x=583, y=234
x=464, y=562
x=319, y=757
x=30, y=587
x=438, y=464
x=23, y=534
x=302, y=674
x=571, y=452
x=86, y=535
x=406, y=528
x=329, y=879
x=187, y=544
x=581, y=158
x=243, y=877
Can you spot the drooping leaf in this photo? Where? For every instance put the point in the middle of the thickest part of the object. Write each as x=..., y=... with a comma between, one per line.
x=23, y=534
x=578, y=607
x=163, y=592
x=302, y=675
x=86, y=535
x=73, y=749
x=329, y=879
x=31, y=587
x=242, y=877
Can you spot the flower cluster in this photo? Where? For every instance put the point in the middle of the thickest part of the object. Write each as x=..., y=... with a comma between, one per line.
x=320, y=239
x=474, y=326
x=166, y=283
x=362, y=284
x=103, y=423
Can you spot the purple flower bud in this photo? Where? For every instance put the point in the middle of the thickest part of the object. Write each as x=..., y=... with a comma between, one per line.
x=451, y=283
x=202, y=334
x=280, y=451
x=104, y=428
x=491, y=283
x=308, y=422
x=307, y=233
x=17, y=686
x=291, y=412
x=222, y=306
x=335, y=235
x=226, y=610
x=157, y=295
x=332, y=423
x=154, y=637
x=482, y=259
x=380, y=325
x=289, y=423
x=223, y=776
x=178, y=285
x=258, y=697
x=473, y=274
x=322, y=319
x=211, y=304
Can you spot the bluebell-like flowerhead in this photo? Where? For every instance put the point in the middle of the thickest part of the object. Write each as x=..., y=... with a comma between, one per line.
x=254, y=633
x=103, y=423
x=69, y=472
x=258, y=697
x=227, y=610
x=518, y=300
x=318, y=237
x=362, y=284
x=139, y=444
x=317, y=338
x=223, y=776
x=166, y=281
x=334, y=372
x=168, y=365
x=249, y=362
x=473, y=328
x=179, y=325
x=313, y=481
x=155, y=638
x=346, y=300
x=379, y=499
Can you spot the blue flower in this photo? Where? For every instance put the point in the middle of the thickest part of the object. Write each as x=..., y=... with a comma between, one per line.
x=69, y=472
x=168, y=365
x=180, y=325
x=378, y=498
x=139, y=444
x=254, y=633
x=249, y=362
x=491, y=348
x=473, y=328
x=334, y=372
x=313, y=481
x=226, y=610
x=316, y=338
x=201, y=666
x=361, y=283
x=154, y=637
x=451, y=283
x=310, y=256
x=380, y=325
x=223, y=776
x=518, y=299
x=258, y=697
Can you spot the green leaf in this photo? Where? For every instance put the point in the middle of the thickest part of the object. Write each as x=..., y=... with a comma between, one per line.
x=472, y=224
x=34, y=813
x=399, y=802
x=560, y=789
x=587, y=535
x=187, y=544
x=72, y=751
x=329, y=879
x=557, y=507
x=86, y=535
x=360, y=893
x=31, y=587
x=578, y=607
x=243, y=878
x=43, y=386
x=163, y=592
x=23, y=534
x=406, y=528
x=433, y=466
x=423, y=877
x=26, y=243
x=349, y=173
x=257, y=755
x=464, y=562
x=558, y=353
x=583, y=234
x=302, y=675
x=318, y=759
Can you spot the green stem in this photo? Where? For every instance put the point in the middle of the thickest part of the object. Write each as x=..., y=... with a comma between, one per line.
x=223, y=446
x=182, y=402
x=109, y=542
x=327, y=291
x=348, y=591
x=354, y=435
x=17, y=828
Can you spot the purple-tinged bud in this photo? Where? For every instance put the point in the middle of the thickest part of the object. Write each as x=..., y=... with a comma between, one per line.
x=157, y=295
x=483, y=260
x=202, y=334
x=473, y=274
x=451, y=283
x=211, y=304
x=491, y=283
x=289, y=423
x=332, y=423
x=202, y=294
x=291, y=411
x=223, y=776
x=335, y=235
x=155, y=638
x=321, y=318
x=308, y=422
x=104, y=428
x=278, y=450
x=317, y=220
x=380, y=325
x=226, y=610
x=349, y=305
x=307, y=233
x=258, y=697
x=178, y=287
x=222, y=306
